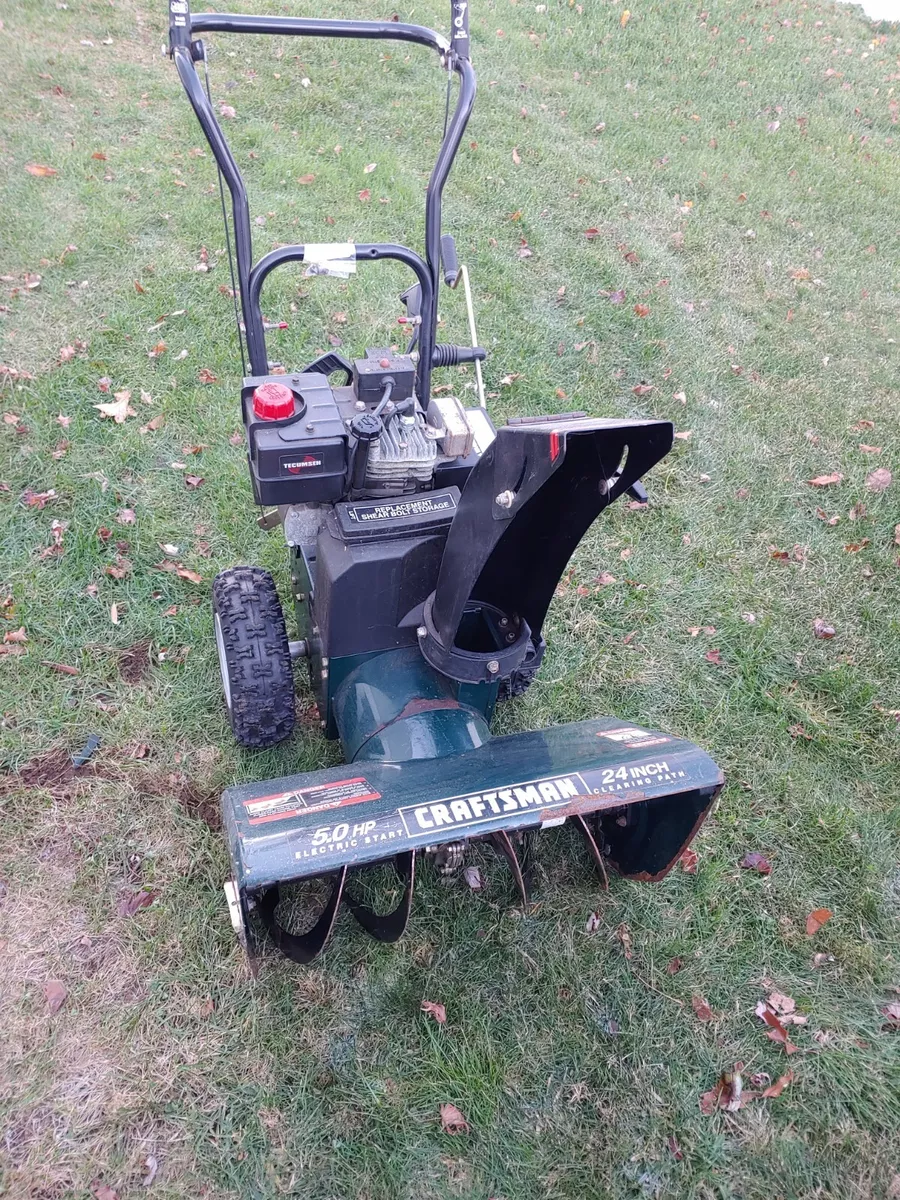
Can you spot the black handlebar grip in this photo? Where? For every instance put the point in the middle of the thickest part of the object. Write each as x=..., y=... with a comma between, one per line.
x=451, y=356
x=450, y=261
x=459, y=26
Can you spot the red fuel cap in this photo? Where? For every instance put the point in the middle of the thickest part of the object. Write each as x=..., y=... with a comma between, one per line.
x=272, y=401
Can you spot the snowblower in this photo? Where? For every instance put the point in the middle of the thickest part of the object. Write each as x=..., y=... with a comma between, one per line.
x=425, y=548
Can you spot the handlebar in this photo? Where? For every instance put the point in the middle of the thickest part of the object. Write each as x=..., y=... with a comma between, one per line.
x=183, y=25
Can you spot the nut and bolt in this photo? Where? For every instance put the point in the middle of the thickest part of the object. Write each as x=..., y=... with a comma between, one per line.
x=505, y=499
x=421, y=631
x=360, y=406
x=493, y=666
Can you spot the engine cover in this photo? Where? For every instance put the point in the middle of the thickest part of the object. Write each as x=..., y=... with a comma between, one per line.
x=299, y=459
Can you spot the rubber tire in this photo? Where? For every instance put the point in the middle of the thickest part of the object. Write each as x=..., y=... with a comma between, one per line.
x=257, y=658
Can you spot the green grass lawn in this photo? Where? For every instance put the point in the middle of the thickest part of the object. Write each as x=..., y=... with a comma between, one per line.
x=740, y=168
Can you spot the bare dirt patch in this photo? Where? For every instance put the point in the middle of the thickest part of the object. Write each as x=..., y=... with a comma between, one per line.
x=192, y=798
x=134, y=663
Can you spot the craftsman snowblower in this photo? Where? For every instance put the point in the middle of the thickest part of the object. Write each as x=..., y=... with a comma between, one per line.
x=425, y=547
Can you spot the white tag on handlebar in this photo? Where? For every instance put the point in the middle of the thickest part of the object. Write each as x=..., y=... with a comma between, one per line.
x=330, y=258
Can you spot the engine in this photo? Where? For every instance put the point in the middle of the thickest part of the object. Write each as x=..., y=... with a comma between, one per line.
x=310, y=442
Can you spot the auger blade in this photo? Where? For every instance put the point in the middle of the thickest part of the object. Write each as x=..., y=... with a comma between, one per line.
x=389, y=927
x=301, y=947
x=595, y=852
x=502, y=841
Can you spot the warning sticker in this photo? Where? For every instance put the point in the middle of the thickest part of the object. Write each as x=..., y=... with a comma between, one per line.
x=364, y=513
x=630, y=735
x=323, y=796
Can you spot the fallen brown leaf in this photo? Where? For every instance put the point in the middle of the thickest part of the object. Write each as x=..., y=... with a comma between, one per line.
x=688, y=861
x=204, y=375
x=131, y=903
x=823, y=516
x=754, y=861
x=515, y=156
x=780, y=1003
x=452, y=1120
x=800, y=731
x=15, y=635
x=777, y=1032
x=776, y=1088
x=822, y=629
x=434, y=1010
x=701, y=1008
x=305, y=179
x=40, y=170
x=61, y=668
x=715, y=657
x=816, y=920
x=118, y=410
x=473, y=878
x=193, y=481
x=102, y=1191
x=55, y=994
x=727, y=1094
x=179, y=569
x=642, y=310
x=879, y=479
x=825, y=480
x=674, y=965
x=623, y=933
x=37, y=499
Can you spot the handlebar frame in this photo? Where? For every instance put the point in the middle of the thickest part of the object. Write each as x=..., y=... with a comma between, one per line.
x=454, y=54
